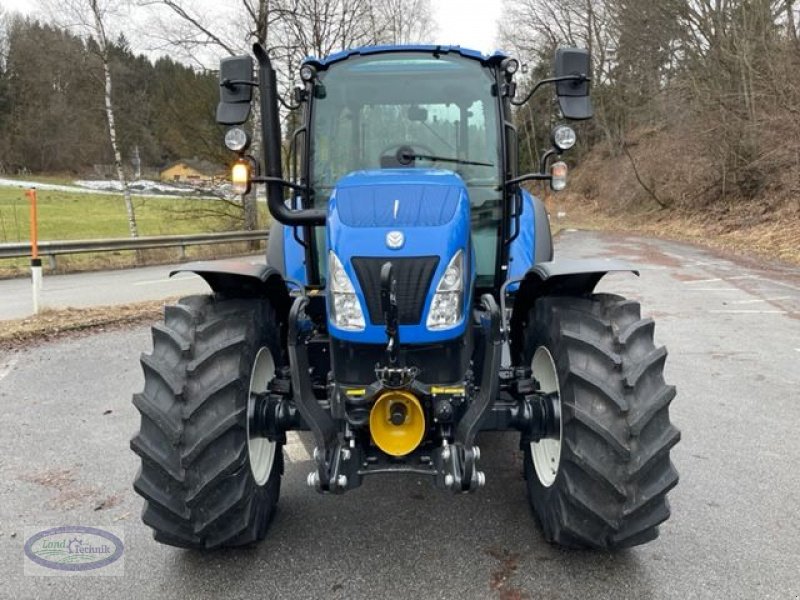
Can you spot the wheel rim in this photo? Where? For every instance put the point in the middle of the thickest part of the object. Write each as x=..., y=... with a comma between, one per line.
x=260, y=450
x=546, y=453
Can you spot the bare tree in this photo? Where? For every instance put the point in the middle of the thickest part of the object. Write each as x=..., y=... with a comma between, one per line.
x=712, y=70
x=289, y=29
x=403, y=21
x=316, y=28
x=90, y=19
x=791, y=25
x=98, y=13
x=200, y=32
x=3, y=37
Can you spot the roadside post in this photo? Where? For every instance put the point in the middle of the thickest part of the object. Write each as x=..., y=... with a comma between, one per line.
x=36, y=262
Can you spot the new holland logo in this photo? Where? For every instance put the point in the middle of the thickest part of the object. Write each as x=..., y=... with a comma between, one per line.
x=395, y=240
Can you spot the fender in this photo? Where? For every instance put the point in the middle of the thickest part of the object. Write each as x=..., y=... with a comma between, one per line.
x=534, y=241
x=239, y=279
x=544, y=238
x=564, y=277
x=285, y=253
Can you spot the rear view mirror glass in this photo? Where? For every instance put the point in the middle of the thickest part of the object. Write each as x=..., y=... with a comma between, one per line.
x=417, y=113
x=234, y=94
x=573, y=96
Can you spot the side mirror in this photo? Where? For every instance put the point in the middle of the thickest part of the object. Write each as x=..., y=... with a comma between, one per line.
x=235, y=89
x=573, y=96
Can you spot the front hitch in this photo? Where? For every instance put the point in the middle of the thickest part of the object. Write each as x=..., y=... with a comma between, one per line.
x=456, y=464
x=333, y=461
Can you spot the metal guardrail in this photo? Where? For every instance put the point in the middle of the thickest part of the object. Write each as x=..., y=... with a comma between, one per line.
x=51, y=249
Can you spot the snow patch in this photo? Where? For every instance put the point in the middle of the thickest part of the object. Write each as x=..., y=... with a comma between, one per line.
x=139, y=186
x=143, y=187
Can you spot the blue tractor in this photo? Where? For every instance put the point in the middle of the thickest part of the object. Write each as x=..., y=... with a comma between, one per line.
x=409, y=301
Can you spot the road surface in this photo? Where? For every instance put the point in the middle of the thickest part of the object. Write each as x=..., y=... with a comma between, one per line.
x=733, y=331
x=99, y=288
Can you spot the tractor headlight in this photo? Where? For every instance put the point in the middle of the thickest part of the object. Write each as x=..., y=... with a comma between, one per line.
x=307, y=73
x=563, y=137
x=237, y=139
x=510, y=65
x=447, y=305
x=346, y=310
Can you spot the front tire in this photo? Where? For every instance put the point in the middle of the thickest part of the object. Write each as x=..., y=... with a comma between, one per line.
x=603, y=483
x=205, y=481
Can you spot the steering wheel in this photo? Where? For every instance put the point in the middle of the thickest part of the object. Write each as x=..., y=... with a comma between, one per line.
x=404, y=146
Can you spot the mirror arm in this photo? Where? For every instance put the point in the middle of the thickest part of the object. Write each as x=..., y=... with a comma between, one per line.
x=542, y=175
x=288, y=106
x=283, y=182
x=543, y=159
x=231, y=83
x=529, y=177
x=580, y=78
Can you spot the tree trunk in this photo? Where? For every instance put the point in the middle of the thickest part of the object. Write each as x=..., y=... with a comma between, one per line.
x=250, y=210
x=249, y=203
x=112, y=135
x=790, y=24
x=112, y=130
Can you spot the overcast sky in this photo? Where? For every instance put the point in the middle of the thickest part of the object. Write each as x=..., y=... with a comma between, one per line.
x=469, y=23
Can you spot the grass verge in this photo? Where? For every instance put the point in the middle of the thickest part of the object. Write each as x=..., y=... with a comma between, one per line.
x=102, y=261
x=75, y=215
x=68, y=215
x=54, y=324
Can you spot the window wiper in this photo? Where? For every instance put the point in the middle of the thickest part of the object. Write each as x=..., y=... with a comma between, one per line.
x=405, y=156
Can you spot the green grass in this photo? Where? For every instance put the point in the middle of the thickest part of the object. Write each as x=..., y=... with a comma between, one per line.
x=68, y=215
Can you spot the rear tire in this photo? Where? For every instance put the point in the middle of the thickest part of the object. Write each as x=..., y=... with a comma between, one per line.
x=196, y=477
x=609, y=475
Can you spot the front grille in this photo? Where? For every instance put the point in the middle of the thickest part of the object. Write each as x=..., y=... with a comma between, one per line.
x=413, y=277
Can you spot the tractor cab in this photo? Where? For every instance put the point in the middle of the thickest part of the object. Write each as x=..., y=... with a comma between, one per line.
x=415, y=116
x=407, y=109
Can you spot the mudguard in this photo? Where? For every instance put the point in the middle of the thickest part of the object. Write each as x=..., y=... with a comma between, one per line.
x=285, y=253
x=276, y=254
x=534, y=242
x=564, y=277
x=239, y=279
x=544, y=238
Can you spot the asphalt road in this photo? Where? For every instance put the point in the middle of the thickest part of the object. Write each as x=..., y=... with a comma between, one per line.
x=734, y=339
x=81, y=290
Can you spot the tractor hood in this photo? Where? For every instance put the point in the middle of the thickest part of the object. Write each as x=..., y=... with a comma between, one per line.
x=397, y=198
x=416, y=218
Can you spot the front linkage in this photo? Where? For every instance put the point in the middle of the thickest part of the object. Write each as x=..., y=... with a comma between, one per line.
x=502, y=399
x=341, y=463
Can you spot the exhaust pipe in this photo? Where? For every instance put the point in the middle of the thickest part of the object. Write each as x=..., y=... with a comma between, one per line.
x=271, y=142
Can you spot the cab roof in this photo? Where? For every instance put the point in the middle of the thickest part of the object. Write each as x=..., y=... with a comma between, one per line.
x=324, y=63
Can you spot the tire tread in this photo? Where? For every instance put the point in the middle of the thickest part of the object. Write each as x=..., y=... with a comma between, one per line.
x=195, y=476
x=614, y=402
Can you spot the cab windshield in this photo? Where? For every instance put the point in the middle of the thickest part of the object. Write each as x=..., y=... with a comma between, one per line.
x=412, y=110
